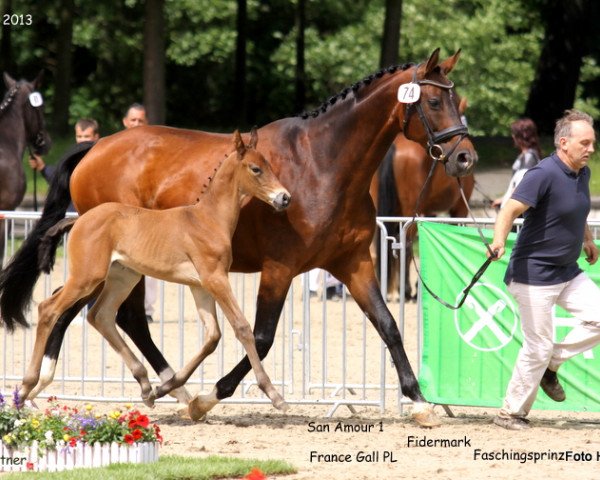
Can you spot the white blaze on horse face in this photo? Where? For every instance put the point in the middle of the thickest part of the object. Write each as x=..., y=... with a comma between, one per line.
x=409, y=93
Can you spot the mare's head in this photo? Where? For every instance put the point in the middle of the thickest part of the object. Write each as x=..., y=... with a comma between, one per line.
x=28, y=104
x=256, y=176
x=432, y=115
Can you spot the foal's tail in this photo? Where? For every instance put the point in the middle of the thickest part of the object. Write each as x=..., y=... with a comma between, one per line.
x=49, y=243
x=387, y=198
x=18, y=279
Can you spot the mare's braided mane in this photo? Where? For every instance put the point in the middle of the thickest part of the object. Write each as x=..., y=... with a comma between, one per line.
x=353, y=88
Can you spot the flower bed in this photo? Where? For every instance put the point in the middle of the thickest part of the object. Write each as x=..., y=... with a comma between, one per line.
x=82, y=455
x=62, y=438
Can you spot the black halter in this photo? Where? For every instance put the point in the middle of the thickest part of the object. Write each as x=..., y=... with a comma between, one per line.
x=36, y=140
x=434, y=139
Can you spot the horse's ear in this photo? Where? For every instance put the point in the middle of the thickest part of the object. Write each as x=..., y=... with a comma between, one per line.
x=37, y=83
x=253, y=138
x=239, y=143
x=433, y=61
x=462, y=106
x=9, y=81
x=448, y=64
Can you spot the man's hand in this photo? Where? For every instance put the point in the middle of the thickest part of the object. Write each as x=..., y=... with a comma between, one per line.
x=591, y=251
x=36, y=162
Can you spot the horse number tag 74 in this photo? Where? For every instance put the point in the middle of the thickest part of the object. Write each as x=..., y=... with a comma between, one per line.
x=409, y=93
x=36, y=100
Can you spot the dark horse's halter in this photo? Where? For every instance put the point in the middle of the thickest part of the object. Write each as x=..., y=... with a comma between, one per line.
x=438, y=154
x=35, y=144
x=38, y=143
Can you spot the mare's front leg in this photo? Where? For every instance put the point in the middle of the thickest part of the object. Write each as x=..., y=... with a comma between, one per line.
x=207, y=311
x=359, y=276
x=274, y=285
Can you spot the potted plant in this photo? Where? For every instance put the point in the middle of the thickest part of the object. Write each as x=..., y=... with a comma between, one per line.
x=61, y=437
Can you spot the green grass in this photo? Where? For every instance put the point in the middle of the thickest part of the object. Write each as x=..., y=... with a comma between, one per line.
x=169, y=467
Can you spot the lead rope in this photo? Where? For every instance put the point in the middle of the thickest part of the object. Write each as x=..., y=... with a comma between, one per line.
x=482, y=269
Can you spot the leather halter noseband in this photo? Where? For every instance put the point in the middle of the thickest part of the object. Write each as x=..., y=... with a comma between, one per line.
x=434, y=139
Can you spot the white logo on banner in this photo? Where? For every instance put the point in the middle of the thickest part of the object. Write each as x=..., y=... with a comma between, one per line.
x=475, y=322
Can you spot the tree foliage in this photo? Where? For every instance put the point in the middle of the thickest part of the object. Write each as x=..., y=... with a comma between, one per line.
x=500, y=41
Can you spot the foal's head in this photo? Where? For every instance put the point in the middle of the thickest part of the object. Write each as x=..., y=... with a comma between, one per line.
x=256, y=176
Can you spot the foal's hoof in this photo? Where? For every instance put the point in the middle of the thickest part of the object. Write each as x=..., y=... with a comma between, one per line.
x=282, y=405
x=200, y=405
x=149, y=400
x=424, y=415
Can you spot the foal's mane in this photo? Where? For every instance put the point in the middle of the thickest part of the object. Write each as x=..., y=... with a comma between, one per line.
x=353, y=88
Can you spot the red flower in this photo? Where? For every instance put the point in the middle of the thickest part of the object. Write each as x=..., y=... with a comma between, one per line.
x=137, y=434
x=128, y=438
x=73, y=441
x=157, y=433
x=82, y=432
x=30, y=465
x=143, y=421
x=255, y=474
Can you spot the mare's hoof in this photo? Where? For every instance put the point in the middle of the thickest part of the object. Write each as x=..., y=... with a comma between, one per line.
x=425, y=416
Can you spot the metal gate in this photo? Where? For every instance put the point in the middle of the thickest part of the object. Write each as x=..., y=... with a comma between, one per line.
x=325, y=352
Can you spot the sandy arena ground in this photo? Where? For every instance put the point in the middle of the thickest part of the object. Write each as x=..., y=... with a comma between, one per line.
x=378, y=446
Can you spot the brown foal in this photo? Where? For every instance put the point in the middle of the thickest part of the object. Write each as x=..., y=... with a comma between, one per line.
x=115, y=244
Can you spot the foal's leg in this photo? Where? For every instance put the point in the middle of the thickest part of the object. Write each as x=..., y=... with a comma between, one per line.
x=53, y=345
x=208, y=315
x=274, y=285
x=131, y=317
x=49, y=311
x=119, y=283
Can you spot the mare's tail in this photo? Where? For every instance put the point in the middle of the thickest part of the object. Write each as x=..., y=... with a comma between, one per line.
x=387, y=199
x=49, y=243
x=19, y=277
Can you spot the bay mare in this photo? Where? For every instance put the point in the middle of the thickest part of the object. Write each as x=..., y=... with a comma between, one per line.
x=190, y=245
x=21, y=125
x=326, y=159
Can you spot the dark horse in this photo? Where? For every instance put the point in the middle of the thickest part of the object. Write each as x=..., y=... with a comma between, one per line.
x=400, y=180
x=326, y=159
x=21, y=125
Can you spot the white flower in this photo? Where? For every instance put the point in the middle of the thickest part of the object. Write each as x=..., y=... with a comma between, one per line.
x=18, y=423
x=48, y=436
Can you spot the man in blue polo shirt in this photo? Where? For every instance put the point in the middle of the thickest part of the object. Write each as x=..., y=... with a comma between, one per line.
x=554, y=199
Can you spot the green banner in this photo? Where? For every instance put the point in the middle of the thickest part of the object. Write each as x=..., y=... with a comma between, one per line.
x=468, y=354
